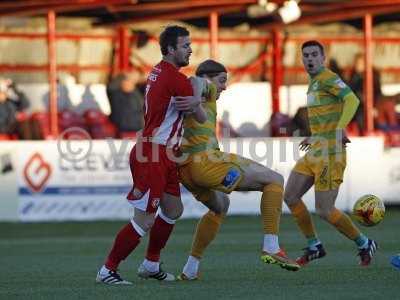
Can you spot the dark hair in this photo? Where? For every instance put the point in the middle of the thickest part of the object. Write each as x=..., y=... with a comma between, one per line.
x=169, y=37
x=313, y=43
x=210, y=68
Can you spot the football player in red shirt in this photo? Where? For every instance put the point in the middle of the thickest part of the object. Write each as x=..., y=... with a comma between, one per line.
x=155, y=194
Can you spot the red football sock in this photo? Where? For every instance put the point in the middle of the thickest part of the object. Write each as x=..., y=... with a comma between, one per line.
x=159, y=235
x=125, y=242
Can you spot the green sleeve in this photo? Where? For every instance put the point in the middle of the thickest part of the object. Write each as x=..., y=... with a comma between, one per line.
x=350, y=105
x=336, y=87
x=211, y=92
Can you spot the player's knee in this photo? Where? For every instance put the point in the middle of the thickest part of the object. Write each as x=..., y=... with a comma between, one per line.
x=278, y=179
x=289, y=197
x=143, y=224
x=322, y=212
x=265, y=178
x=222, y=205
x=148, y=224
x=174, y=214
x=225, y=205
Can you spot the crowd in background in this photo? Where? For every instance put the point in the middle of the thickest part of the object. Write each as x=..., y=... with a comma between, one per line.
x=125, y=94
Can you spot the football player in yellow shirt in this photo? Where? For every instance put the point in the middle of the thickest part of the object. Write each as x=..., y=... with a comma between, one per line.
x=210, y=174
x=330, y=105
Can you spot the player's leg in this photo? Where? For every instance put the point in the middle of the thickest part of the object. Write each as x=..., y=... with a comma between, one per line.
x=129, y=236
x=301, y=179
x=206, y=230
x=127, y=239
x=325, y=208
x=260, y=178
x=171, y=209
x=298, y=184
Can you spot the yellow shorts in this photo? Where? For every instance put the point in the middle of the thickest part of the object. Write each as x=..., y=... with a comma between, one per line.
x=326, y=170
x=212, y=170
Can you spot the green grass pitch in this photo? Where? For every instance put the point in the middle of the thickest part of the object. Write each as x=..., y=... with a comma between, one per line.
x=60, y=261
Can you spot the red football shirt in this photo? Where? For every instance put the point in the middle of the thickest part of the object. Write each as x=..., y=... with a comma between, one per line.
x=162, y=122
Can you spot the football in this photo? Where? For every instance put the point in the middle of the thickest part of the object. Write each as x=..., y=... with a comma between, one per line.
x=369, y=210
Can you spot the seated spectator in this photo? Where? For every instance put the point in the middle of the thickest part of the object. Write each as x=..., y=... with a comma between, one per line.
x=126, y=102
x=334, y=67
x=279, y=124
x=299, y=125
x=386, y=119
x=63, y=99
x=356, y=83
x=12, y=101
x=88, y=102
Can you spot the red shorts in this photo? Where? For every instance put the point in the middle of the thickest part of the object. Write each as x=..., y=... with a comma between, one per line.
x=154, y=174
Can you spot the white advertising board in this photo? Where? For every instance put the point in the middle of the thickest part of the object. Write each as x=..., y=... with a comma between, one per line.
x=40, y=183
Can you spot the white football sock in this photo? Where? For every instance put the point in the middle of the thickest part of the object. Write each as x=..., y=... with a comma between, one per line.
x=104, y=270
x=271, y=243
x=192, y=266
x=151, y=266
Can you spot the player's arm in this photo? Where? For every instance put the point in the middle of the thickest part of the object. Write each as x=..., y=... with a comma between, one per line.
x=350, y=106
x=200, y=87
x=338, y=88
x=191, y=105
x=189, y=98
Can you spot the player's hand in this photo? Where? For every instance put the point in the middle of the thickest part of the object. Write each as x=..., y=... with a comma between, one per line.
x=187, y=103
x=305, y=144
x=344, y=139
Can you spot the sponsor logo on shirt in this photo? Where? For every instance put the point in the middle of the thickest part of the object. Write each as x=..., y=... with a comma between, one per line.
x=231, y=178
x=155, y=202
x=340, y=83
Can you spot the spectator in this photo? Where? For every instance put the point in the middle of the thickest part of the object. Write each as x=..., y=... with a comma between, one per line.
x=63, y=99
x=334, y=67
x=356, y=83
x=12, y=101
x=88, y=102
x=386, y=119
x=126, y=102
x=300, y=125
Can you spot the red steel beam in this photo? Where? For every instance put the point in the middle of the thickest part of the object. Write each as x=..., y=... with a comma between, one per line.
x=174, y=5
x=74, y=68
x=350, y=4
x=67, y=36
x=368, y=76
x=213, y=32
x=178, y=15
x=337, y=15
x=51, y=29
x=67, y=6
x=277, y=69
x=28, y=3
x=239, y=39
x=123, y=48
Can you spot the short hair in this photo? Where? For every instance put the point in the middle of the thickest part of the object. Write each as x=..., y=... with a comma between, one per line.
x=169, y=37
x=313, y=43
x=210, y=68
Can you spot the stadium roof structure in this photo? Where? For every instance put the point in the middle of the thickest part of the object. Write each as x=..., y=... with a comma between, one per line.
x=262, y=14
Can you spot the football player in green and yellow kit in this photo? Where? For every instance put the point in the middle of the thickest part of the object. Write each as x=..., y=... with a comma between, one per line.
x=210, y=174
x=330, y=105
